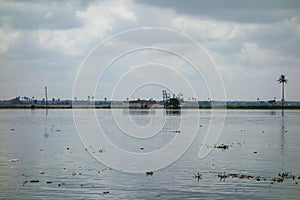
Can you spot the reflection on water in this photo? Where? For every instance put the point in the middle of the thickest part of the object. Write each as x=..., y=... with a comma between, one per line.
x=138, y=111
x=259, y=144
x=282, y=131
x=273, y=112
x=173, y=111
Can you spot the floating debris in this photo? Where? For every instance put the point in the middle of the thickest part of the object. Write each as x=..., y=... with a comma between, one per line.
x=245, y=176
x=25, y=182
x=240, y=144
x=54, y=130
x=150, y=173
x=60, y=184
x=13, y=160
x=222, y=146
x=277, y=179
x=286, y=175
x=223, y=176
x=101, y=151
x=282, y=176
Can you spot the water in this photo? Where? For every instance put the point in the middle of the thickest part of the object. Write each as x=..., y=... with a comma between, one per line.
x=261, y=143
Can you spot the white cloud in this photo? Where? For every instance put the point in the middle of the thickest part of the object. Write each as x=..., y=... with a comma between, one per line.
x=204, y=29
x=7, y=39
x=252, y=55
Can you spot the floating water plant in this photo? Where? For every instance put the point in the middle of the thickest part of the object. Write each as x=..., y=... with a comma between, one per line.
x=222, y=176
x=150, y=173
x=198, y=176
x=278, y=179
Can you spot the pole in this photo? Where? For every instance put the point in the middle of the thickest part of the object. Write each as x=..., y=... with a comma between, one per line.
x=46, y=96
x=282, y=100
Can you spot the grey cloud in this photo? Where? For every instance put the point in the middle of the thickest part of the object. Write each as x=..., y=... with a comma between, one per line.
x=28, y=56
x=28, y=47
x=272, y=27
x=281, y=37
x=233, y=10
x=43, y=15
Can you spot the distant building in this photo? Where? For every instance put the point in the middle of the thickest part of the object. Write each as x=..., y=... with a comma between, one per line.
x=142, y=104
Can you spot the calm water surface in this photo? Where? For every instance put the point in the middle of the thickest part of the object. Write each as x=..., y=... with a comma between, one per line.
x=262, y=143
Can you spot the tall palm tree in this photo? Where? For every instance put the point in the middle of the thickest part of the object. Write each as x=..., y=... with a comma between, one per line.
x=282, y=80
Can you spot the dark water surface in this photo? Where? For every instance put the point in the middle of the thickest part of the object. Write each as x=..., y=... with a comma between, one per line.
x=261, y=143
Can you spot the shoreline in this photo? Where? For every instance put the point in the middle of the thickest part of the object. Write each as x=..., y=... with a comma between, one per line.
x=204, y=107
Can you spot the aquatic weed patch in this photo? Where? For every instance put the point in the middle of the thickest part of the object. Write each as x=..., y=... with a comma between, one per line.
x=281, y=177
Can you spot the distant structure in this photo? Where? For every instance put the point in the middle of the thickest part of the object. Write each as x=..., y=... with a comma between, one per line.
x=139, y=104
x=46, y=96
x=272, y=101
x=170, y=103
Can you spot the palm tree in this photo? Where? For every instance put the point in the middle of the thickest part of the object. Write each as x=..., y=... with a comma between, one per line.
x=282, y=80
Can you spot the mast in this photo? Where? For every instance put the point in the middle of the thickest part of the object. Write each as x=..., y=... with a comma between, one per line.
x=165, y=98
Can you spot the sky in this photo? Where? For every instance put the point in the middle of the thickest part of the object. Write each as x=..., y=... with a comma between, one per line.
x=239, y=48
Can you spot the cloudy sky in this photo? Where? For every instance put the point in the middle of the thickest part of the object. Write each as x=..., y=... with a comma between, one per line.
x=250, y=44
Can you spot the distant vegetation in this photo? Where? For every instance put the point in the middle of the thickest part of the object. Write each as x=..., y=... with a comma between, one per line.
x=57, y=103
x=282, y=80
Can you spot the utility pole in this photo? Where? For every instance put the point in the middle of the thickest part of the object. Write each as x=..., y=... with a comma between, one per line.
x=46, y=96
